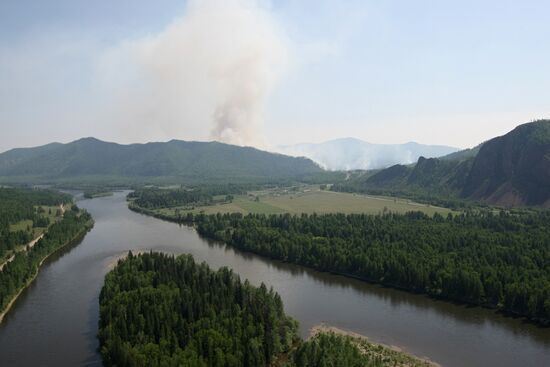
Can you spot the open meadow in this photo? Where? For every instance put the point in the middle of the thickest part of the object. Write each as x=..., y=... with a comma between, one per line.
x=309, y=200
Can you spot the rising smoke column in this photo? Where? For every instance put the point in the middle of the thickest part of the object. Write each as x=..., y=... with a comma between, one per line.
x=207, y=75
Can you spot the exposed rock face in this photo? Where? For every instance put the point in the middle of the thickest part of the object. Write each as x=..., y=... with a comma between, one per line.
x=513, y=169
x=510, y=170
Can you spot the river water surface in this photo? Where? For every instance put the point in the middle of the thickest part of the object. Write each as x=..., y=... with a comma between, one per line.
x=54, y=322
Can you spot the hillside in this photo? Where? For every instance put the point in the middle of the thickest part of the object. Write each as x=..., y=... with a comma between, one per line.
x=351, y=154
x=463, y=154
x=91, y=158
x=511, y=170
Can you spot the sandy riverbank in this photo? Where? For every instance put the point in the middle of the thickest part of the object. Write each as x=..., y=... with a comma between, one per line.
x=323, y=328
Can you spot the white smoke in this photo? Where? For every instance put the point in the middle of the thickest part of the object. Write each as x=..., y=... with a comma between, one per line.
x=206, y=74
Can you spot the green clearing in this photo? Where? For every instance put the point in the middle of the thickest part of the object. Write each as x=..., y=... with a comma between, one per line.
x=308, y=200
x=21, y=225
x=49, y=212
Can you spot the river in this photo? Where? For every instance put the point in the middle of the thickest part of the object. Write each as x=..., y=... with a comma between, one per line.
x=54, y=322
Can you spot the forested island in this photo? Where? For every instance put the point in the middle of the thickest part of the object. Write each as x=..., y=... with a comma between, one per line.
x=161, y=310
x=22, y=216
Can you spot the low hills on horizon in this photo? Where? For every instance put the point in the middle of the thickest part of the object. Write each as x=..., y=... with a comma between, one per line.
x=510, y=170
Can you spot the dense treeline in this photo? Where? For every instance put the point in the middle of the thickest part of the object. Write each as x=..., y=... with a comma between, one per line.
x=96, y=193
x=16, y=274
x=159, y=198
x=501, y=260
x=17, y=205
x=150, y=198
x=160, y=310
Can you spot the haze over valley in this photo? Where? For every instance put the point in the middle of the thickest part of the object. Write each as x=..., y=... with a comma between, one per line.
x=352, y=154
x=260, y=183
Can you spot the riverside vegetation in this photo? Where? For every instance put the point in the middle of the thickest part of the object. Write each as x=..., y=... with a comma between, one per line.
x=497, y=259
x=161, y=310
x=23, y=267
x=500, y=261
x=158, y=310
x=23, y=214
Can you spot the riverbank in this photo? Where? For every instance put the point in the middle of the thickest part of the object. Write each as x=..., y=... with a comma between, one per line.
x=67, y=289
x=77, y=237
x=27, y=246
x=435, y=295
x=381, y=350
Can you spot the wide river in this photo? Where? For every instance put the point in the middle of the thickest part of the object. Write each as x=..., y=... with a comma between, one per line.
x=54, y=322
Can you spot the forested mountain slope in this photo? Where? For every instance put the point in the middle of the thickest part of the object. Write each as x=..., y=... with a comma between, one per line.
x=511, y=170
x=90, y=157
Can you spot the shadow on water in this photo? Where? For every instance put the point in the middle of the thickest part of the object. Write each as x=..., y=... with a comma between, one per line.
x=396, y=298
x=22, y=298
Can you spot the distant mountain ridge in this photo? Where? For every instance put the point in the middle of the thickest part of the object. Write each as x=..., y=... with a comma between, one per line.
x=191, y=160
x=353, y=154
x=510, y=170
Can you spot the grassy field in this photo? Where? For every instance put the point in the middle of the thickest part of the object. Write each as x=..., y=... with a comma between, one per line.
x=49, y=212
x=21, y=225
x=309, y=200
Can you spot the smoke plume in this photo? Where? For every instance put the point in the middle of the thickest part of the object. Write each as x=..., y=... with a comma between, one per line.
x=207, y=74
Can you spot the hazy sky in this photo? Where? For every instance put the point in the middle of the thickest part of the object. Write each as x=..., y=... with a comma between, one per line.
x=271, y=72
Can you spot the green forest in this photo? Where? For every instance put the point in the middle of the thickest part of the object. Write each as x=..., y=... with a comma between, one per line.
x=16, y=274
x=497, y=260
x=161, y=310
x=18, y=205
x=151, y=198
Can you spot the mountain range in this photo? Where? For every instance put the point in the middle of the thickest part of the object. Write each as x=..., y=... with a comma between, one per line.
x=510, y=170
x=90, y=158
x=353, y=154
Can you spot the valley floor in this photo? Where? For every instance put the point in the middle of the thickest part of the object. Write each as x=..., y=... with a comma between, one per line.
x=306, y=200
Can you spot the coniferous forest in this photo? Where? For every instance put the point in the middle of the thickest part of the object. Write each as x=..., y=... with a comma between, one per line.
x=161, y=310
x=16, y=274
x=497, y=260
x=18, y=205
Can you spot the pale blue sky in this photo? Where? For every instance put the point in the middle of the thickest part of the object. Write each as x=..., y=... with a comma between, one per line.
x=439, y=72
